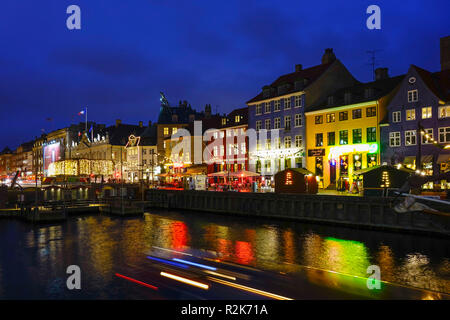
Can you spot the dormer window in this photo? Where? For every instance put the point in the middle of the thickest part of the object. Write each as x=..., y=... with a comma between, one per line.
x=224, y=121
x=237, y=119
x=368, y=93
x=347, y=97
x=330, y=100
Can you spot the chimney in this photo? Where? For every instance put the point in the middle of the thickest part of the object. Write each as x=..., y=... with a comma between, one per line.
x=208, y=111
x=328, y=56
x=381, y=73
x=298, y=67
x=118, y=122
x=140, y=124
x=445, y=53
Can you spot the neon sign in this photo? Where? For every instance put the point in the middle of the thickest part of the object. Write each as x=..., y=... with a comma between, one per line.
x=335, y=152
x=288, y=181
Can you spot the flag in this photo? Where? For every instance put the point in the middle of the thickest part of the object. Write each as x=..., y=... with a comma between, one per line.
x=81, y=112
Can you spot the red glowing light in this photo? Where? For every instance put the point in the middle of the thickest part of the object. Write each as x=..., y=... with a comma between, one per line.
x=244, y=252
x=179, y=234
x=137, y=281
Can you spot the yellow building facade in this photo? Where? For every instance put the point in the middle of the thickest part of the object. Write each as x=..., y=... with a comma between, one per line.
x=342, y=140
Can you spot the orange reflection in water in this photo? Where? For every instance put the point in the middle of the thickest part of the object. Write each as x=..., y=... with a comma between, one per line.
x=224, y=247
x=244, y=252
x=179, y=234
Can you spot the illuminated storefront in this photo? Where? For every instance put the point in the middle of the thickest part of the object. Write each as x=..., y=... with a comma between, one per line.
x=345, y=141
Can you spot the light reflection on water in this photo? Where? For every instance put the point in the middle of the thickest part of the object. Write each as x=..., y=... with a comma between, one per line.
x=36, y=257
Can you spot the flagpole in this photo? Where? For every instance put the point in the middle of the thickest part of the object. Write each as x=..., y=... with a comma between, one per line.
x=86, y=122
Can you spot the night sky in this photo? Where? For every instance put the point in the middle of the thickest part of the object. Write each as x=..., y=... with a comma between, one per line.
x=207, y=52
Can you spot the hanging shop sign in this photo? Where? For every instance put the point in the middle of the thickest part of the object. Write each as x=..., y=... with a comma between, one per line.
x=335, y=152
x=278, y=153
x=316, y=152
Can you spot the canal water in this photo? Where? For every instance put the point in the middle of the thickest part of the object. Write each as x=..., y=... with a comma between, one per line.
x=34, y=258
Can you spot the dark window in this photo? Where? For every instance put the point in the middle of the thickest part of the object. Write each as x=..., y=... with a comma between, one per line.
x=343, y=115
x=357, y=135
x=371, y=112
x=371, y=134
x=319, y=119
x=356, y=114
x=343, y=137
x=331, y=138
x=319, y=139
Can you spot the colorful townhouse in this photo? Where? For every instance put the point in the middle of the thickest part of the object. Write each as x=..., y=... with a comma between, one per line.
x=277, y=113
x=343, y=132
x=229, y=145
x=416, y=130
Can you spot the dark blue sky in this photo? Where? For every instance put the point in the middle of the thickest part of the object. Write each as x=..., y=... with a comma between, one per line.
x=215, y=52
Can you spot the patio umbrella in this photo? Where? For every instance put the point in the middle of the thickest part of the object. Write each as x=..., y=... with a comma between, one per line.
x=244, y=173
x=219, y=174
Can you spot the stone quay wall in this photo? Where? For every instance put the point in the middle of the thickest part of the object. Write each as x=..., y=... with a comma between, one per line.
x=349, y=211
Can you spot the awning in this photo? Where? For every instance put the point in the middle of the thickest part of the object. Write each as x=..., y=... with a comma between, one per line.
x=443, y=158
x=244, y=173
x=428, y=158
x=219, y=174
x=409, y=160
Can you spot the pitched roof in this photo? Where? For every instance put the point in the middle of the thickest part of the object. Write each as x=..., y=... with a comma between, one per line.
x=437, y=82
x=231, y=117
x=118, y=134
x=358, y=93
x=309, y=74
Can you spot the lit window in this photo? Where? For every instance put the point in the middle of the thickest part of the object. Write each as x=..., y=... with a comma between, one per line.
x=427, y=136
x=166, y=131
x=394, y=139
x=412, y=95
x=444, y=112
x=237, y=119
x=331, y=117
x=411, y=114
x=410, y=137
x=174, y=130
x=215, y=150
x=267, y=107
x=267, y=124
x=287, y=142
x=426, y=113
x=224, y=121
x=268, y=144
x=222, y=150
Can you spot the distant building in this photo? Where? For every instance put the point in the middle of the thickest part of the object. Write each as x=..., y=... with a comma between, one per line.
x=6, y=166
